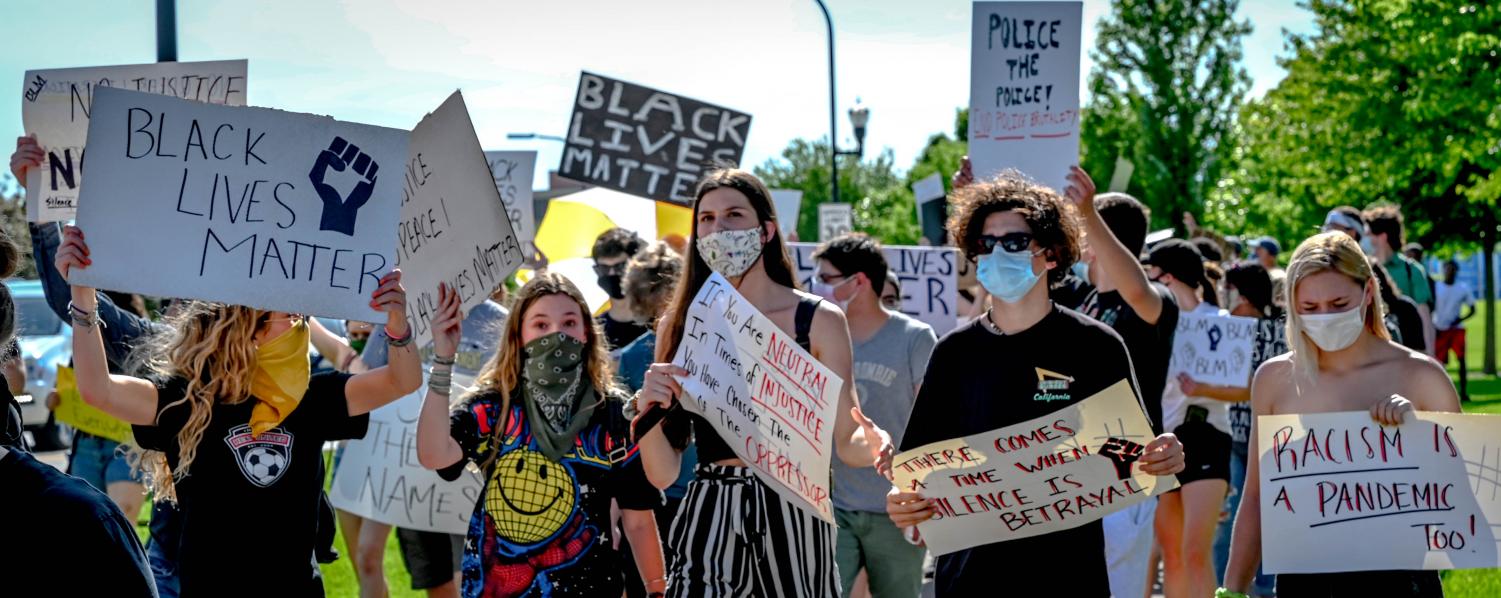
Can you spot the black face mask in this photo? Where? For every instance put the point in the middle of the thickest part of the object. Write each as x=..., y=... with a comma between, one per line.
x=610, y=283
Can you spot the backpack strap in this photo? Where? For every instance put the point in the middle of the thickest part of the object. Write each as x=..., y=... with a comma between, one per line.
x=803, y=321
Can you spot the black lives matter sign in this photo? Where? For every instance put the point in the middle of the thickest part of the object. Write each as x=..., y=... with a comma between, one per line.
x=647, y=142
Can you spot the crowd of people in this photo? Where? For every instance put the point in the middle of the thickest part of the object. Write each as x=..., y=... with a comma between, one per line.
x=598, y=482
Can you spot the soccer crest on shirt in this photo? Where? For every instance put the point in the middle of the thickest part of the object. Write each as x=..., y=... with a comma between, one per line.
x=262, y=459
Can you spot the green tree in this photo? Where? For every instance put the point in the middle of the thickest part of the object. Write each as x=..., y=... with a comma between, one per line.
x=882, y=204
x=1164, y=91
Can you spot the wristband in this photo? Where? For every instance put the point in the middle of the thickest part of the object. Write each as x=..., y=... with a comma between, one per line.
x=1224, y=593
x=440, y=360
x=395, y=341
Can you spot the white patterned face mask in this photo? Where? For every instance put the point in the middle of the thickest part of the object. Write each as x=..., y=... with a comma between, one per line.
x=731, y=252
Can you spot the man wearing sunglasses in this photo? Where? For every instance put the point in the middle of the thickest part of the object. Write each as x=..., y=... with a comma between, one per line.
x=1025, y=358
x=612, y=252
x=891, y=354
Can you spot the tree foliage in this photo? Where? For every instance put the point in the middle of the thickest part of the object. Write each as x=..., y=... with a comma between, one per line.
x=882, y=204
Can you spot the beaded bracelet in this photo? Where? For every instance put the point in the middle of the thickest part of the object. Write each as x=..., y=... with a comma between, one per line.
x=84, y=319
x=393, y=341
x=440, y=360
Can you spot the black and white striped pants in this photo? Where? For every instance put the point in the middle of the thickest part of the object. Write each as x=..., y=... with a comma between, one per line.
x=735, y=536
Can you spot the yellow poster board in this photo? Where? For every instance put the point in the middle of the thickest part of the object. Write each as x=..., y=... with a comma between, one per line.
x=73, y=411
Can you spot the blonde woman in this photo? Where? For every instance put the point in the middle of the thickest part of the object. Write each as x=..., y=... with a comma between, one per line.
x=1342, y=359
x=545, y=425
x=237, y=425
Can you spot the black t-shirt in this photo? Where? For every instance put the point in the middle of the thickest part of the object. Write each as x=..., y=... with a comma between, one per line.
x=249, y=506
x=1071, y=292
x=1150, y=345
x=1409, y=323
x=980, y=380
x=542, y=528
x=619, y=332
x=61, y=533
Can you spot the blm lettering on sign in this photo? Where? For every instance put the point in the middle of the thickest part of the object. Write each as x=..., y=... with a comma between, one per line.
x=647, y=142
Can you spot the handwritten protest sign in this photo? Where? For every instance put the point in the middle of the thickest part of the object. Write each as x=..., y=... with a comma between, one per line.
x=73, y=411
x=380, y=478
x=270, y=209
x=1214, y=349
x=1024, y=89
x=1056, y=472
x=788, y=204
x=454, y=227
x=834, y=219
x=55, y=106
x=1341, y=493
x=767, y=397
x=512, y=171
x=646, y=142
x=928, y=277
x=931, y=208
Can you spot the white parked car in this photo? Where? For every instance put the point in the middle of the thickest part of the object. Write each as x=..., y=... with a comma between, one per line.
x=46, y=342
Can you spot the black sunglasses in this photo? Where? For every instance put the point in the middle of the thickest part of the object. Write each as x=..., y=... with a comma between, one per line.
x=603, y=270
x=1011, y=242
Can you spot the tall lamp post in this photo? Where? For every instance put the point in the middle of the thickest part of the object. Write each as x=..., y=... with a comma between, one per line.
x=166, y=30
x=536, y=136
x=859, y=115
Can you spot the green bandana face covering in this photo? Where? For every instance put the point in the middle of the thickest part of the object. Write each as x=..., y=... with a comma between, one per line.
x=559, y=399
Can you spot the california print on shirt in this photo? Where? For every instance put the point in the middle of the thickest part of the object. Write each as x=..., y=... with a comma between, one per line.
x=264, y=459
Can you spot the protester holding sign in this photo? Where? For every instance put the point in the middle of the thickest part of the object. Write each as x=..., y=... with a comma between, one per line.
x=891, y=355
x=545, y=425
x=1342, y=359
x=736, y=534
x=231, y=381
x=1024, y=359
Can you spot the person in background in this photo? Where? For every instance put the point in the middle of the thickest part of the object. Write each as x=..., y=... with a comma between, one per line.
x=1145, y=315
x=612, y=251
x=365, y=539
x=1265, y=251
x=986, y=375
x=649, y=281
x=1403, y=319
x=545, y=425
x=1341, y=360
x=891, y=356
x=1248, y=293
x=1455, y=303
x=1410, y=277
x=12, y=366
x=1186, y=517
x=1414, y=251
x=891, y=292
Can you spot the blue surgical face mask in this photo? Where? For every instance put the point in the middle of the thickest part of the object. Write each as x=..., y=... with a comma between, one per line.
x=1007, y=276
x=1367, y=246
x=1081, y=270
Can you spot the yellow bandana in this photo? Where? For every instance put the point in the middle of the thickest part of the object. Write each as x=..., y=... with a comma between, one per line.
x=281, y=378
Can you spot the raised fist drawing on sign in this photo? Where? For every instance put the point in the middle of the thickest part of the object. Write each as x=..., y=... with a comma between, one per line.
x=339, y=212
x=1122, y=453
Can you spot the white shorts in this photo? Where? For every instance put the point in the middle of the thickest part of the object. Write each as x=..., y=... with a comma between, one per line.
x=1128, y=548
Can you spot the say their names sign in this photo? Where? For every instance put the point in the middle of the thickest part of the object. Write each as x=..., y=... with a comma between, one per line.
x=1214, y=349
x=379, y=477
x=1341, y=493
x=768, y=398
x=1024, y=89
x=928, y=277
x=512, y=172
x=55, y=105
x=646, y=142
x=454, y=225
x=1056, y=472
x=251, y=206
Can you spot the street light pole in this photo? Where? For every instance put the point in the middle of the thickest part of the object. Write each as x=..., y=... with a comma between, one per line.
x=166, y=30
x=833, y=112
x=536, y=136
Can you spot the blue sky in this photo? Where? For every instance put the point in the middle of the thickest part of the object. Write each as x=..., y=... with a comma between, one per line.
x=387, y=62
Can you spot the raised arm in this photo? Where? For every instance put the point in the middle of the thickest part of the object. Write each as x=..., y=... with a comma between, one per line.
x=402, y=375
x=1110, y=255
x=329, y=345
x=436, y=448
x=130, y=399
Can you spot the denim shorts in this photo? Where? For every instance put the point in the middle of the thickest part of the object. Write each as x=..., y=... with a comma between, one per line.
x=100, y=462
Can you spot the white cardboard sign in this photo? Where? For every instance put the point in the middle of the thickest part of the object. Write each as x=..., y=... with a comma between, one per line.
x=834, y=219
x=1214, y=349
x=454, y=227
x=1024, y=89
x=1056, y=472
x=929, y=278
x=1341, y=493
x=512, y=172
x=252, y=206
x=55, y=105
x=379, y=477
x=768, y=398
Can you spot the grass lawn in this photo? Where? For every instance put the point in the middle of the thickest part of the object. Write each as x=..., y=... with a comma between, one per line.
x=1485, y=397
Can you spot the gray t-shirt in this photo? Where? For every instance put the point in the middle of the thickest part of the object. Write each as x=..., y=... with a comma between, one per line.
x=482, y=329
x=888, y=368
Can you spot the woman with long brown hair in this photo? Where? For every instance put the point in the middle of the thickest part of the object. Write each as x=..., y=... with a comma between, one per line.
x=734, y=534
x=1342, y=359
x=236, y=426
x=544, y=423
